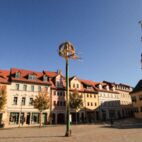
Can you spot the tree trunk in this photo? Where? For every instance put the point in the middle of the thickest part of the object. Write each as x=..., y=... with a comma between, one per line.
x=40, y=119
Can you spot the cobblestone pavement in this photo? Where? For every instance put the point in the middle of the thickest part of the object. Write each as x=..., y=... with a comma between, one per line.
x=80, y=133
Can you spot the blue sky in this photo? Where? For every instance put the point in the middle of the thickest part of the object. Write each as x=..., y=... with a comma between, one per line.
x=105, y=33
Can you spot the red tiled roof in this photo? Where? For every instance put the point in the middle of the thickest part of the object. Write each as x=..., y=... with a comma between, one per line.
x=4, y=76
x=51, y=74
x=24, y=74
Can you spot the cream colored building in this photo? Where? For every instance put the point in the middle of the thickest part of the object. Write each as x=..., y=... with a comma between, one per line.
x=21, y=90
x=124, y=97
x=109, y=107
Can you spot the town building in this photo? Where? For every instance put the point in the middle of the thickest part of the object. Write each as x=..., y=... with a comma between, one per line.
x=124, y=97
x=22, y=87
x=101, y=100
x=136, y=95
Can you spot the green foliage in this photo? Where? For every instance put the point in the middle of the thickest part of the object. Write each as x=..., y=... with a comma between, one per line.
x=42, y=101
x=3, y=98
x=76, y=100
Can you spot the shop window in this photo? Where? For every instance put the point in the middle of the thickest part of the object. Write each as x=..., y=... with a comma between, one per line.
x=14, y=118
x=35, y=118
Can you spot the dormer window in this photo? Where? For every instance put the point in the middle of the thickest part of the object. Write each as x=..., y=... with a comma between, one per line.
x=107, y=88
x=17, y=75
x=32, y=77
x=113, y=88
x=45, y=78
x=100, y=86
x=77, y=86
x=89, y=87
x=58, y=84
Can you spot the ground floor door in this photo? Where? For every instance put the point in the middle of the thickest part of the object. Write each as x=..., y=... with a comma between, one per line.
x=75, y=117
x=44, y=118
x=53, y=118
x=0, y=118
x=104, y=115
x=28, y=118
x=90, y=117
x=61, y=118
x=112, y=114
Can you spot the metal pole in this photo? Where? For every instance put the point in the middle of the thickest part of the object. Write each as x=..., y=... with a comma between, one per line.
x=68, y=132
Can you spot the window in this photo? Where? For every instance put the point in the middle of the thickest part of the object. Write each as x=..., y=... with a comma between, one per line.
x=54, y=103
x=134, y=99
x=39, y=88
x=17, y=86
x=25, y=87
x=46, y=88
x=54, y=92
x=58, y=103
x=88, y=104
x=23, y=101
x=62, y=93
x=14, y=117
x=58, y=93
x=45, y=78
x=87, y=95
x=17, y=75
x=32, y=77
x=90, y=95
x=58, y=83
x=140, y=97
x=77, y=86
x=73, y=85
x=91, y=104
x=15, y=100
x=136, y=109
x=35, y=118
x=94, y=96
x=141, y=109
x=32, y=88
x=31, y=101
x=64, y=103
x=95, y=104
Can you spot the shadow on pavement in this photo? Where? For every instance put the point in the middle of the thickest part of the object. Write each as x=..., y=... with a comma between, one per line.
x=123, y=126
x=29, y=137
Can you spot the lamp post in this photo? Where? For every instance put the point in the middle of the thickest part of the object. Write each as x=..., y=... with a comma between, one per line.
x=140, y=22
x=67, y=51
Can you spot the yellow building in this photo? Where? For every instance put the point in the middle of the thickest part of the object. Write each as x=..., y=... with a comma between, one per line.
x=89, y=94
x=136, y=95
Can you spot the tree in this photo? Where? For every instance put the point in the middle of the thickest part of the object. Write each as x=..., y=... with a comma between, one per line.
x=3, y=98
x=41, y=102
x=76, y=101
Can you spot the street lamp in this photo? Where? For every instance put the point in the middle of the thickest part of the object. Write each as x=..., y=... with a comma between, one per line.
x=140, y=22
x=67, y=51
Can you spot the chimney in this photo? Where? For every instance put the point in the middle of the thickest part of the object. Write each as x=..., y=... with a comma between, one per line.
x=59, y=72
